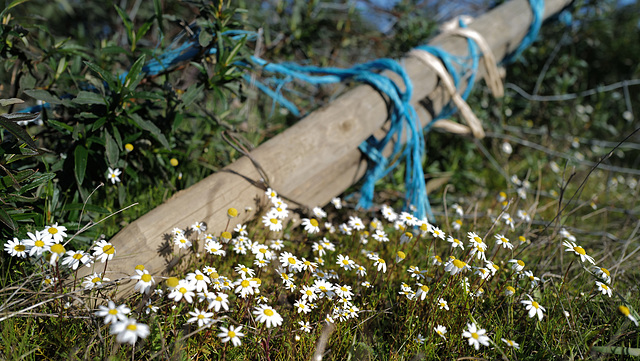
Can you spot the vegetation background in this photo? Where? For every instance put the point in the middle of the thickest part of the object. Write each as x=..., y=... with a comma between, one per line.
x=570, y=99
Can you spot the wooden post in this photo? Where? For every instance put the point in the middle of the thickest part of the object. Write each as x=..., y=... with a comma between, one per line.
x=311, y=162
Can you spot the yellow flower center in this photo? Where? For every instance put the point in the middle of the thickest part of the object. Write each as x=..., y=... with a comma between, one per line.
x=245, y=283
x=215, y=275
x=291, y=260
x=273, y=220
x=146, y=277
x=424, y=288
x=424, y=227
x=263, y=250
x=96, y=279
x=313, y=222
x=172, y=282
x=132, y=327
x=199, y=277
x=459, y=264
x=520, y=263
x=231, y=334
x=604, y=287
x=109, y=249
x=173, y=162
x=53, y=230
x=344, y=261
x=232, y=212
x=128, y=147
x=140, y=267
x=380, y=260
x=579, y=250
x=226, y=235
x=39, y=243
x=77, y=256
x=475, y=335
x=309, y=293
x=113, y=311
x=183, y=290
x=268, y=312
x=624, y=310
x=19, y=248
x=218, y=298
x=477, y=239
x=535, y=304
x=402, y=254
x=605, y=271
x=343, y=289
x=57, y=248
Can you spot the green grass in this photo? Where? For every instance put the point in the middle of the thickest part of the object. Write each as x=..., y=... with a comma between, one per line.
x=388, y=323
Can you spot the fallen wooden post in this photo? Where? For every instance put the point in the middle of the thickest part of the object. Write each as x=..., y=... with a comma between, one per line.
x=314, y=160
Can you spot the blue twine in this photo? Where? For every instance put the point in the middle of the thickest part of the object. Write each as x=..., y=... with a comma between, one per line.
x=537, y=7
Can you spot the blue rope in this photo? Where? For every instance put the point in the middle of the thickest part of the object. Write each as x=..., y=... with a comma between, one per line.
x=537, y=7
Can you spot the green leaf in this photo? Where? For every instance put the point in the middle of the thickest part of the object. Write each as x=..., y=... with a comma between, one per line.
x=14, y=180
x=128, y=25
x=152, y=128
x=11, y=101
x=135, y=74
x=43, y=95
x=37, y=181
x=191, y=94
x=85, y=97
x=80, y=158
x=157, y=7
x=13, y=4
x=113, y=153
x=61, y=127
x=6, y=219
x=7, y=121
x=105, y=75
x=617, y=350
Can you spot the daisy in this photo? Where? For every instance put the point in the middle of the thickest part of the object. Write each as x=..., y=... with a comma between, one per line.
x=388, y=213
x=261, y=251
x=318, y=247
x=289, y=260
x=416, y=272
x=508, y=221
x=16, y=248
x=344, y=229
x=306, y=265
x=221, y=300
x=280, y=212
x=346, y=263
x=182, y=242
x=309, y=293
x=311, y=225
x=441, y=330
x=55, y=233
x=382, y=265
x=210, y=271
x=37, y=243
x=301, y=306
x=476, y=336
x=511, y=343
x=437, y=232
x=603, y=273
x=199, y=280
x=627, y=313
x=94, y=280
x=184, y=289
x=533, y=279
x=454, y=266
x=74, y=258
x=215, y=248
x=408, y=219
x=318, y=212
x=199, y=227
x=380, y=236
x=456, y=225
x=442, y=304
x=104, y=251
x=523, y=216
x=356, y=223
x=246, y=287
x=509, y=291
x=241, y=229
x=518, y=265
x=111, y=313
x=343, y=291
x=271, y=193
x=232, y=213
x=361, y=271
x=578, y=251
x=533, y=307
x=455, y=243
x=602, y=287
x=114, y=175
x=422, y=291
x=266, y=314
x=203, y=318
x=129, y=331
x=337, y=202
x=277, y=244
x=231, y=334
x=274, y=224
x=503, y=241
x=145, y=281
x=305, y=326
